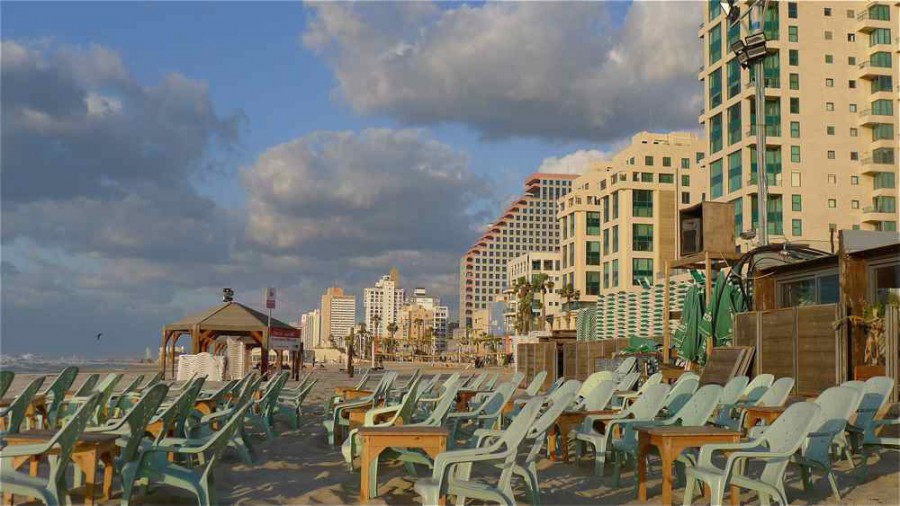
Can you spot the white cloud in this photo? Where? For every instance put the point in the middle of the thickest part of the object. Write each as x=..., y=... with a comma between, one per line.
x=573, y=163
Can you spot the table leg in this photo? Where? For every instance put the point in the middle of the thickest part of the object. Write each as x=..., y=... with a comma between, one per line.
x=87, y=461
x=643, y=450
x=109, y=468
x=564, y=428
x=551, y=442
x=666, y=456
x=365, y=461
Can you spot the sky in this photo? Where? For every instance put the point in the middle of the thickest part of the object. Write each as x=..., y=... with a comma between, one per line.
x=154, y=153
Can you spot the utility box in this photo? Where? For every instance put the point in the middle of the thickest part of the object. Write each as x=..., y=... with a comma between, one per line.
x=707, y=226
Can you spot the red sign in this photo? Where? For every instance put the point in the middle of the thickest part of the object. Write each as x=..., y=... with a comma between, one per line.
x=283, y=332
x=270, y=298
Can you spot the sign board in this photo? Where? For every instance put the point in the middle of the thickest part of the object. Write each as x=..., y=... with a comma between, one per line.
x=270, y=298
x=284, y=339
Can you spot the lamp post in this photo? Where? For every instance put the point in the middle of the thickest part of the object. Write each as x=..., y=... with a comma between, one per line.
x=751, y=52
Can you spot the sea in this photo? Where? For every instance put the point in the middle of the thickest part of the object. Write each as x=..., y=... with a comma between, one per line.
x=27, y=363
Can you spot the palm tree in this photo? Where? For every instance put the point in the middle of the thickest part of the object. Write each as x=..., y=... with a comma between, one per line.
x=376, y=323
x=392, y=328
x=543, y=284
x=525, y=296
x=420, y=329
x=569, y=293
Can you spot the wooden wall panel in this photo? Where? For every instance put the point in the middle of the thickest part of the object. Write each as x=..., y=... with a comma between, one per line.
x=777, y=341
x=817, y=351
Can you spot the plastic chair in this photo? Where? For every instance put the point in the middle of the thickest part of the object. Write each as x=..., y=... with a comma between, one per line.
x=693, y=413
x=6, y=379
x=56, y=393
x=124, y=399
x=173, y=416
x=685, y=376
x=105, y=389
x=592, y=381
x=757, y=388
x=624, y=398
x=680, y=394
x=402, y=414
x=87, y=387
x=536, y=383
x=336, y=417
x=628, y=381
x=262, y=413
x=645, y=408
x=203, y=429
x=875, y=395
x=452, y=469
x=872, y=440
x=19, y=407
x=53, y=489
x=486, y=415
x=776, y=395
x=774, y=449
x=731, y=394
x=626, y=367
x=290, y=404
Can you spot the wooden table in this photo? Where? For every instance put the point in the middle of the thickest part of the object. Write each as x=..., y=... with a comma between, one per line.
x=755, y=414
x=567, y=421
x=37, y=406
x=90, y=450
x=464, y=396
x=671, y=441
x=376, y=439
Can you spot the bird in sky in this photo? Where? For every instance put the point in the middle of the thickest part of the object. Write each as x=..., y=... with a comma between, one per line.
x=98, y=335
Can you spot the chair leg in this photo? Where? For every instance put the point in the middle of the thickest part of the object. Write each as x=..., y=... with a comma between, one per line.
x=716, y=492
x=805, y=478
x=834, y=487
x=688, y=491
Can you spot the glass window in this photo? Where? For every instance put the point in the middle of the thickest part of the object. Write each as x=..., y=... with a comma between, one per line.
x=615, y=239
x=880, y=36
x=606, y=242
x=715, y=133
x=881, y=59
x=792, y=10
x=715, y=178
x=734, y=78
x=592, y=282
x=605, y=274
x=734, y=124
x=772, y=24
x=794, y=81
x=827, y=11
x=829, y=35
x=883, y=107
x=738, y=216
x=797, y=203
x=685, y=163
x=648, y=161
x=715, y=8
x=832, y=203
x=734, y=171
x=795, y=129
x=642, y=238
x=829, y=106
x=685, y=180
x=615, y=273
x=882, y=131
x=796, y=227
x=795, y=154
x=792, y=34
x=885, y=204
x=592, y=252
x=795, y=105
x=667, y=178
x=641, y=270
x=882, y=83
x=642, y=205
x=854, y=132
x=854, y=180
x=615, y=205
x=883, y=155
x=830, y=154
x=854, y=204
x=593, y=223
x=773, y=211
x=829, y=130
x=715, y=88
x=829, y=82
x=732, y=34
x=809, y=290
x=829, y=58
x=667, y=161
x=715, y=44
x=772, y=71
x=773, y=165
x=880, y=12
x=793, y=57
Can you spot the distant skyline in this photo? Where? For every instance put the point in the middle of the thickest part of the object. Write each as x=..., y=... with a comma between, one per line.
x=154, y=153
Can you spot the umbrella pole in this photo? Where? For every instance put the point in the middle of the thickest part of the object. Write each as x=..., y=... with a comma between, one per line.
x=667, y=337
x=709, y=294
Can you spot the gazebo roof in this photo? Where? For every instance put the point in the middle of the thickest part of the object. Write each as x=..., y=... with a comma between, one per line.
x=228, y=316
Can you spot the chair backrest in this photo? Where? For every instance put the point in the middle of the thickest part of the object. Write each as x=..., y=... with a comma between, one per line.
x=628, y=381
x=778, y=393
x=154, y=380
x=131, y=387
x=105, y=388
x=362, y=380
x=491, y=381
x=6, y=379
x=66, y=437
x=174, y=417
x=138, y=417
x=218, y=442
x=758, y=386
x=594, y=380
x=453, y=381
x=517, y=379
x=444, y=405
x=836, y=404
x=87, y=387
x=697, y=410
x=680, y=393
x=881, y=386
x=685, y=376
x=57, y=392
x=556, y=384
x=536, y=383
x=497, y=399
x=653, y=379
x=268, y=403
x=785, y=436
x=19, y=406
x=407, y=404
x=733, y=390
x=476, y=381
x=557, y=402
x=648, y=405
x=628, y=365
x=598, y=398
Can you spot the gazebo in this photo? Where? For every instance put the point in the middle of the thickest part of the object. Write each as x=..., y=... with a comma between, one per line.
x=231, y=319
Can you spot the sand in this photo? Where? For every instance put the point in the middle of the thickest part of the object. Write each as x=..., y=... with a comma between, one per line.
x=299, y=467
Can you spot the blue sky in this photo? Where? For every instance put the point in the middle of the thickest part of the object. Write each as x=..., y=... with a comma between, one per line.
x=294, y=144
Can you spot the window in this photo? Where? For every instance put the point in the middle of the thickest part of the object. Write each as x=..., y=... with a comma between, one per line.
x=734, y=77
x=851, y=37
x=685, y=197
x=851, y=60
x=592, y=252
x=685, y=163
x=885, y=204
x=854, y=180
x=883, y=131
x=854, y=156
x=642, y=205
x=827, y=11
x=810, y=289
x=606, y=242
x=615, y=239
x=648, y=161
x=832, y=179
x=771, y=26
x=831, y=154
x=734, y=124
x=882, y=83
x=880, y=36
x=829, y=130
x=615, y=205
x=883, y=107
x=852, y=107
x=850, y=14
x=773, y=165
x=699, y=156
x=732, y=34
x=794, y=81
x=715, y=133
x=829, y=35
x=795, y=179
x=667, y=161
x=792, y=10
x=715, y=44
x=884, y=180
x=738, y=216
x=734, y=171
x=854, y=132
x=832, y=203
x=851, y=84
x=685, y=180
x=880, y=12
x=642, y=237
x=793, y=57
x=715, y=178
x=592, y=283
x=796, y=227
x=795, y=154
x=829, y=106
x=715, y=8
x=605, y=274
x=829, y=83
x=646, y=177
x=854, y=204
x=715, y=88
x=592, y=223
x=795, y=129
x=795, y=105
x=881, y=59
x=797, y=203
x=792, y=34
x=641, y=270
x=829, y=58
x=667, y=178
x=883, y=155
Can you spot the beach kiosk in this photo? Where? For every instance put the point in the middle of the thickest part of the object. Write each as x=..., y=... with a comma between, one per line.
x=231, y=319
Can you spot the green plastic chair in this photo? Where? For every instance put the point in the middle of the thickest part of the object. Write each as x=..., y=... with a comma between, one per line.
x=452, y=469
x=154, y=465
x=774, y=449
x=52, y=490
x=516, y=380
x=336, y=418
x=491, y=381
x=627, y=381
x=262, y=413
x=105, y=389
x=239, y=440
x=731, y=394
x=87, y=387
x=56, y=394
x=475, y=382
x=685, y=376
x=6, y=380
x=17, y=409
x=333, y=400
x=290, y=404
x=836, y=405
x=153, y=381
x=693, y=413
x=486, y=415
x=402, y=415
x=122, y=401
x=429, y=400
x=589, y=384
x=645, y=408
x=175, y=415
x=627, y=366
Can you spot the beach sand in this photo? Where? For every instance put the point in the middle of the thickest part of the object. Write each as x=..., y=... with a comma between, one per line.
x=299, y=467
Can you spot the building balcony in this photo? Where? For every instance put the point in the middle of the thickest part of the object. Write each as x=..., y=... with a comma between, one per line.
x=866, y=24
x=871, y=214
x=884, y=192
x=870, y=167
x=867, y=119
x=884, y=143
x=865, y=70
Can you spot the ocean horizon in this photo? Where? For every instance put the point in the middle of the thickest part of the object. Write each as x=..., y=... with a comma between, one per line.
x=36, y=363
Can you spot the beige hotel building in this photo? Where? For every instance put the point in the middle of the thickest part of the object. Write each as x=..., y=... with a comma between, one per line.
x=618, y=225
x=831, y=80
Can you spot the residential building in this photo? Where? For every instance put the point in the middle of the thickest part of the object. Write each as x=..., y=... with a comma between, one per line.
x=310, y=329
x=619, y=223
x=384, y=301
x=830, y=118
x=417, y=328
x=528, y=266
x=440, y=313
x=527, y=224
x=338, y=315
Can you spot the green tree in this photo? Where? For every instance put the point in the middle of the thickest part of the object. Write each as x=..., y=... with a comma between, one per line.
x=524, y=298
x=569, y=294
x=392, y=328
x=541, y=283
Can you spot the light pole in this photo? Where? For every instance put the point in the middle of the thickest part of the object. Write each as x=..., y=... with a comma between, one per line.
x=751, y=51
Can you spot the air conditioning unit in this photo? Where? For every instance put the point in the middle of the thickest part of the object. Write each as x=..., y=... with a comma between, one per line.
x=691, y=236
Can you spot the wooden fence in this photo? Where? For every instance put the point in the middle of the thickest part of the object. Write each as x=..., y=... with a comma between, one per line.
x=799, y=342
x=572, y=360
x=892, y=350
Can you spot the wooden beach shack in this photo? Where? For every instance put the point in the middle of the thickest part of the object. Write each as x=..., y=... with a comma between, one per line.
x=231, y=319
